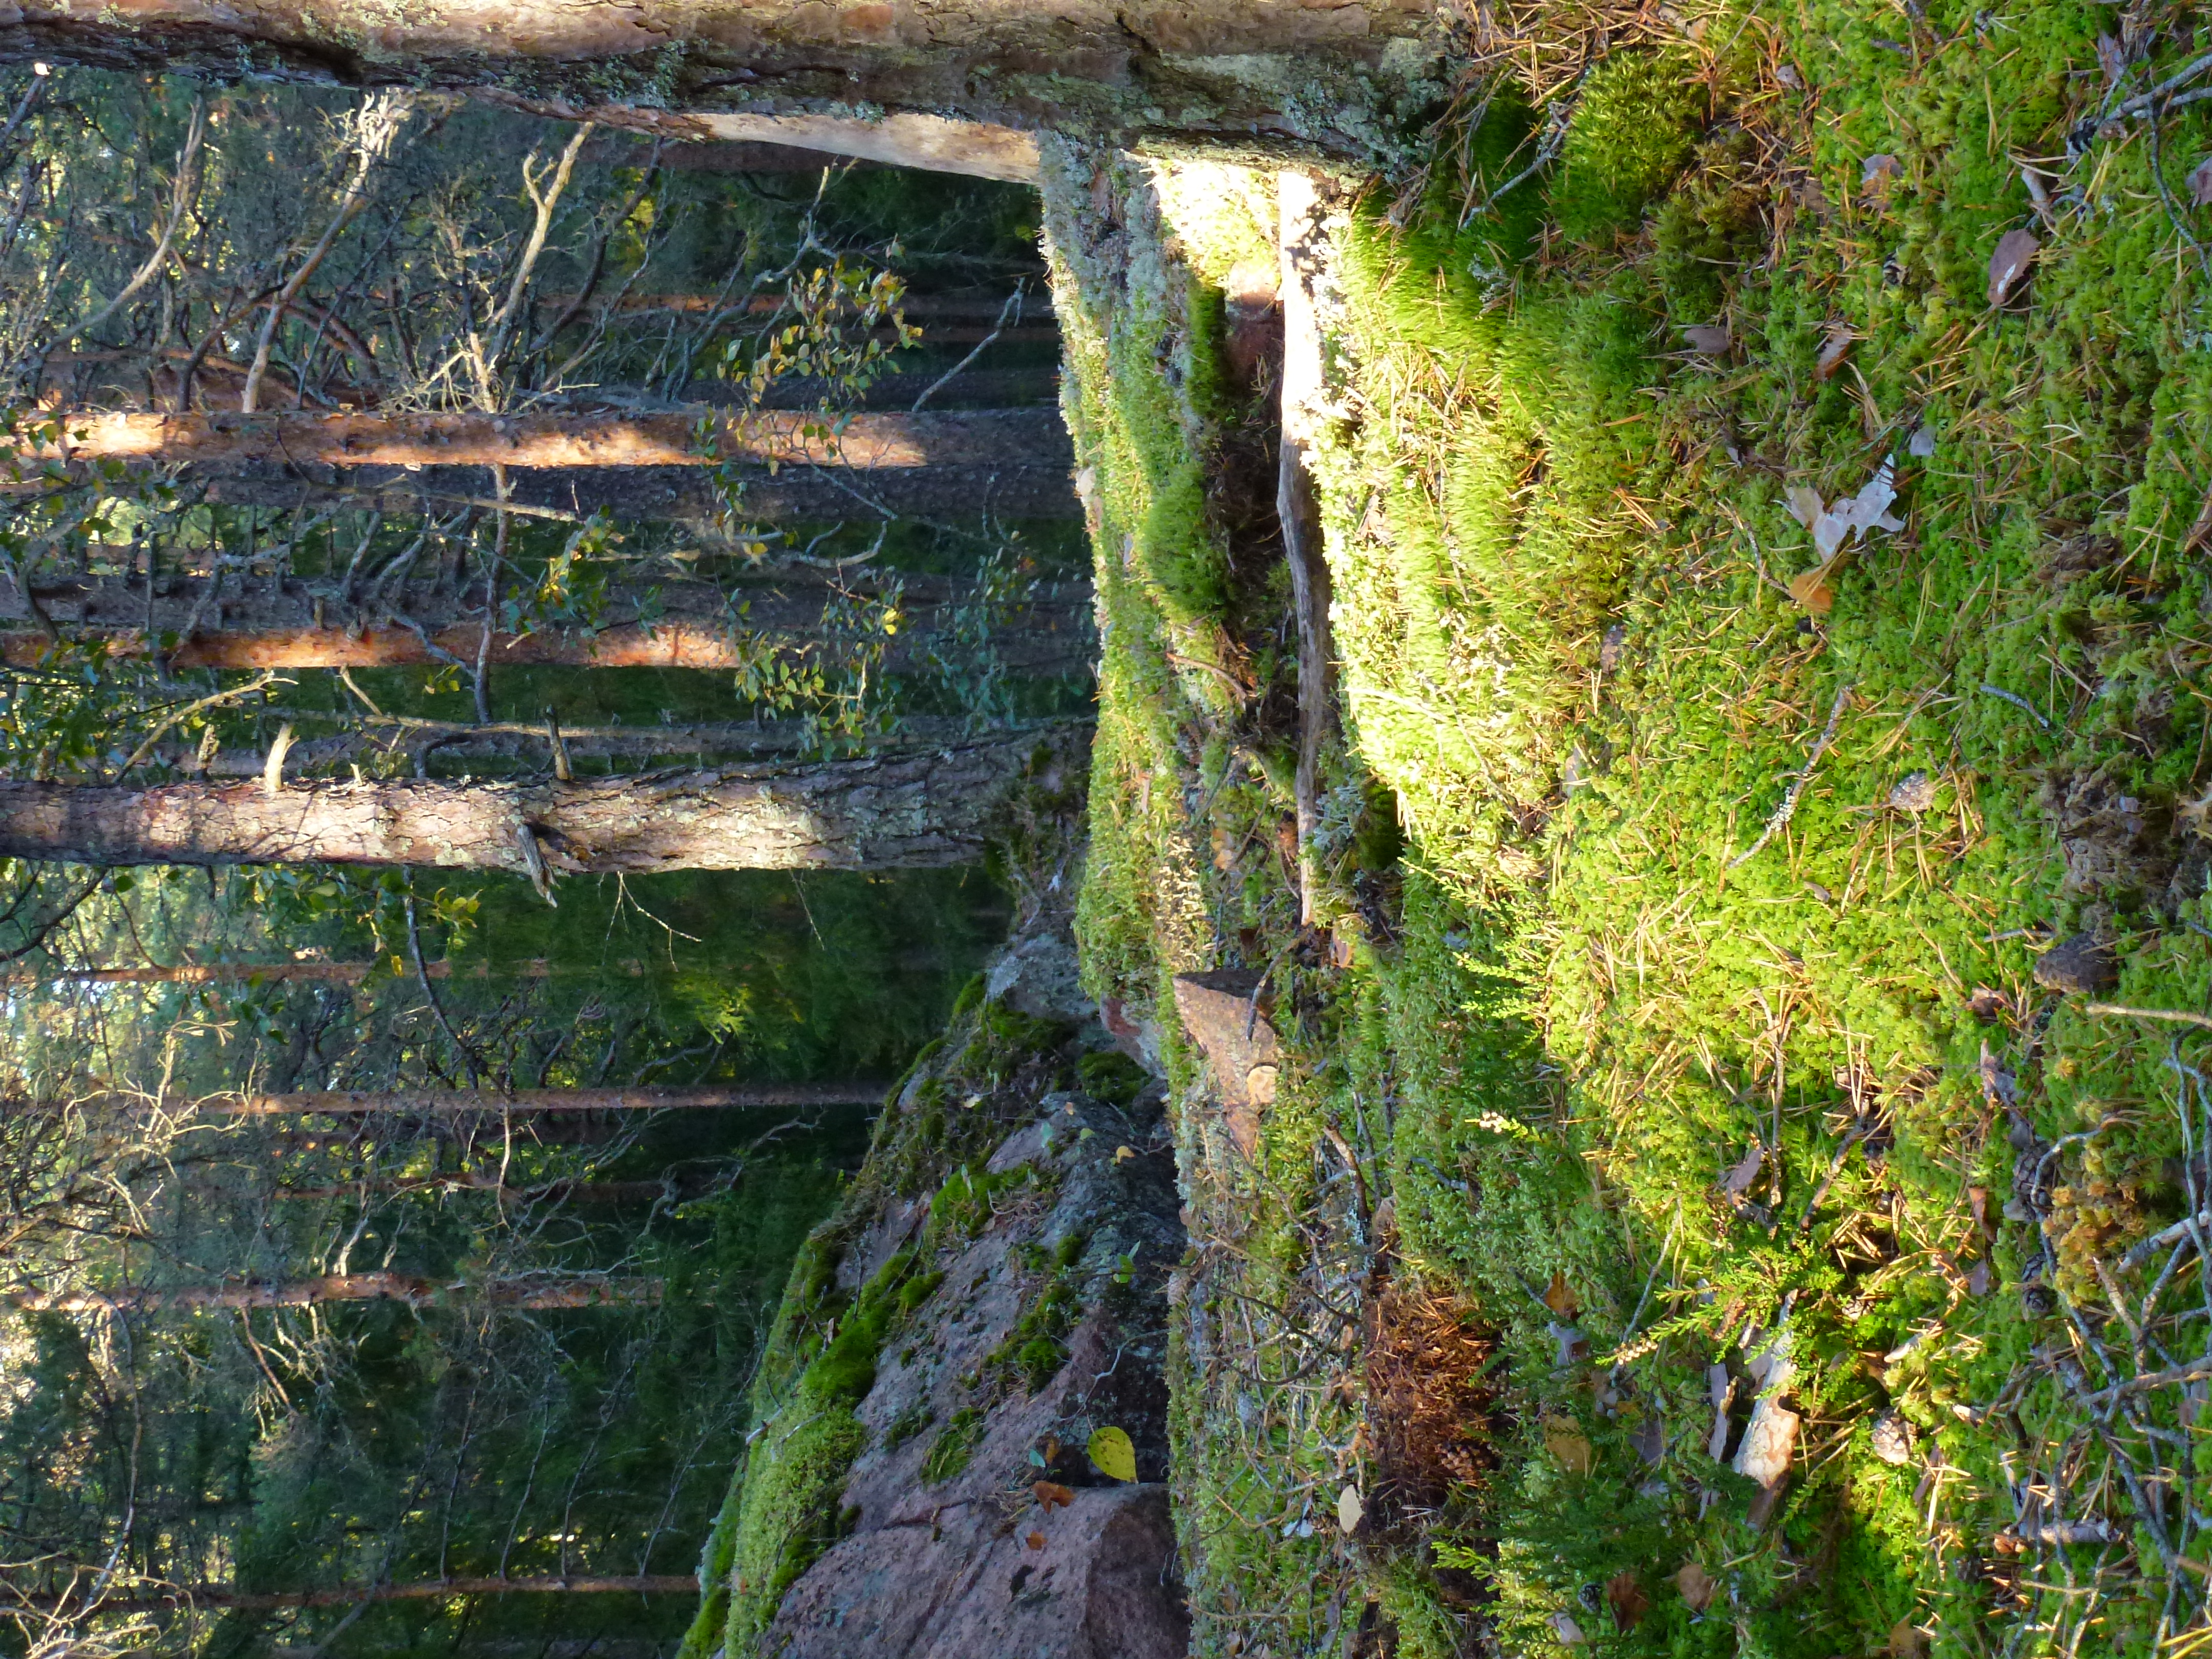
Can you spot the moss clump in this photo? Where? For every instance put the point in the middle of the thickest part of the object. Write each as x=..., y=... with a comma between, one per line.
x=1632, y=132
x=954, y=1445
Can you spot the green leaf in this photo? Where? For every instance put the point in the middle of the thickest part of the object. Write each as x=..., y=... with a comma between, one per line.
x=1113, y=1455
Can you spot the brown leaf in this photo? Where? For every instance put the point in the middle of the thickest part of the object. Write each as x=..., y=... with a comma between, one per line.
x=2015, y=251
x=2200, y=183
x=1560, y=1297
x=1987, y=1006
x=1035, y=1541
x=1737, y=1181
x=1710, y=338
x=1810, y=588
x=1052, y=1495
x=1698, y=1586
x=2112, y=59
x=1905, y=1642
x=1569, y=1446
x=1834, y=350
x=1627, y=1600
x=1879, y=166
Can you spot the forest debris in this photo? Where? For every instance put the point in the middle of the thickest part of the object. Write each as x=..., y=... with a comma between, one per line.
x=1915, y=793
x=1893, y=1439
x=1697, y=1585
x=2081, y=966
x=1569, y=1633
x=1921, y=445
x=1625, y=1596
x=1737, y=1181
x=1905, y=1642
x=1770, y=1440
x=1051, y=1495
x=1560, y=1297
x=2015, y=251
x=1835, y=526
x=1709, y=340
x=1834, y=349
x=1721, y=1387
x=1223, y=1012
x=1881, y=164
x=1569, y=1446
x=2200, y=183
x=1350, y=1511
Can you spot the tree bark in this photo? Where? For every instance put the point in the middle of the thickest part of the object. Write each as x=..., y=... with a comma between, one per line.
x=1286, y=79
x=533, y=1294
x=224, y=1597
x=888, y=810
x=449, y=1102
x=808, y=495
x=1028, y=437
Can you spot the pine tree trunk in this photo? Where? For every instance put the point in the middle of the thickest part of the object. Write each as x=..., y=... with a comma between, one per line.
x=448, y=1103
x=1024, y=437
x=223, y=1596
x=888, y=810
x=1254, y=78
x=301, y=624
x=536, y=1294
x=807, y=495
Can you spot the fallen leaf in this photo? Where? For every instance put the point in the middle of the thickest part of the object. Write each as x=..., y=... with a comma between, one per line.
x=1804, y=503
x=1710, y=339
x=2016, y=250
x=1123, y=1154
x=1564, y=1626
x=1052, y=1495
x=1350, y=1511
x=1987, y=1006
x=1626, y=1598
x=1881, y=164
x=2200, y=183
x=1650, y=1439
x=1560, y=1297
x=1770, y=1441
x=1574, y=1346
x=1922, y=444
x=1833, y=350
x=1905, y=1642
x=1737, y=1181
x=1112, y=1452
x=2111, y=60
x=1855, y=515
x=1810, y=588
x=1978, y=1278
x=1569, y=1446
x=1035, y=1541
x=1696, y=1586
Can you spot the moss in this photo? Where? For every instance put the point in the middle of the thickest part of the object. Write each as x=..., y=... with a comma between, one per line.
x=1633, y=128
x=1111, y=1076
x=949, y=1454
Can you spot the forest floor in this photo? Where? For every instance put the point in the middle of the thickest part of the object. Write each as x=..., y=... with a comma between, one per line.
x=1724, y=1192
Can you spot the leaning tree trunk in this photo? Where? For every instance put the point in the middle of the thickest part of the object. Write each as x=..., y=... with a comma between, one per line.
x=310, y=624
x=888, y=810
x=536, y=1293
x=1283, y=78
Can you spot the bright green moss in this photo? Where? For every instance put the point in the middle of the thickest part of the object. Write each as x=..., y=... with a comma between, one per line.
x=1632, y=131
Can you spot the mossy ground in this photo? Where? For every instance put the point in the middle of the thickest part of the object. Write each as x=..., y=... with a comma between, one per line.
x=1560, y=539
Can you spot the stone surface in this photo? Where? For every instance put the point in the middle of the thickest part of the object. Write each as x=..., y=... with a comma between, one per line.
x=1241, y=1049
x=1040, y=977
x=977, y=1564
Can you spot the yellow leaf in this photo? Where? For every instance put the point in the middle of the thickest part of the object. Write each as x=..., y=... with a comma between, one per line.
x=1569, y=1446
x=1113, y=1454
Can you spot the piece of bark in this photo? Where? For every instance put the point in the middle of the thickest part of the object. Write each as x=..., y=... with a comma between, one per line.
x=1241, y=1047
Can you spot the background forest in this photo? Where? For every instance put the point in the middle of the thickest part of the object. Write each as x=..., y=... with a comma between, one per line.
x=286, y=1368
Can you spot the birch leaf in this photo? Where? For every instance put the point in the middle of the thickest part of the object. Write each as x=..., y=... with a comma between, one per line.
x=2016, y=250
x=1111, y=1451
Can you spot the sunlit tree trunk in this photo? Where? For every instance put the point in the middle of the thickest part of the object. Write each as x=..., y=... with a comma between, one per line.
x=689, y=437
x=298, y=624
x=1249, y=77
x=888, y=810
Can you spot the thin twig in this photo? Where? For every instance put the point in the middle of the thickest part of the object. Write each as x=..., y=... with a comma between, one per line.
x=1788, y=809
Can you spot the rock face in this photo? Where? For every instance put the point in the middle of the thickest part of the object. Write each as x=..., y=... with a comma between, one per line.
x=973, y=1522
